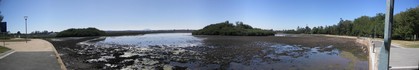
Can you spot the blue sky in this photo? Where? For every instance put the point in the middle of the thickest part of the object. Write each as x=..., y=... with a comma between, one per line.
x=58, y=15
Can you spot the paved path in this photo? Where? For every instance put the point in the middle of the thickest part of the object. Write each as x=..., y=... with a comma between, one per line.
x=37, y=54
x=401, y=57
x=30, y=61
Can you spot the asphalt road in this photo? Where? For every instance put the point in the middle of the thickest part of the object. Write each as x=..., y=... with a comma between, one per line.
x=44, y=60
x=401, y=57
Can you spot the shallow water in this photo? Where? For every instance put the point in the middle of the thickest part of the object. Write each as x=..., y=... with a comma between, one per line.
x=185, y=51
x=166, y=39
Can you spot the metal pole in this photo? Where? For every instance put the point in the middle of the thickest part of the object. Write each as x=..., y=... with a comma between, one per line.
x=4, y=40
x=26, y=28
x=375, y=31
x=385, y=51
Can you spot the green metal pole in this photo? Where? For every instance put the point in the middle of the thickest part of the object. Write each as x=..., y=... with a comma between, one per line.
x=385, y=51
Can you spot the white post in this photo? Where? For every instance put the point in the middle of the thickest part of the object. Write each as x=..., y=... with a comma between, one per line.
x=26, y=28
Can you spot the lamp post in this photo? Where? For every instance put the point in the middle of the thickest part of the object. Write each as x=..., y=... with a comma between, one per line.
x=26, y=27
x=384, y=55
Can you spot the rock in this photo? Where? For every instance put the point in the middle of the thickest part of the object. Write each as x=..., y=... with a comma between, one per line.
x=147, y=61
x=167, y=67
x=127, y=54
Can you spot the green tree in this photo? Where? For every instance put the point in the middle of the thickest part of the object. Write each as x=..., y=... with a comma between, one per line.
x=1, y=16
x=362, y=26
x=378, y=24
x=406, y=24
x=226, y=28
x=240, y=24
x=345, y=27
x=81, y=32
x=307, y=30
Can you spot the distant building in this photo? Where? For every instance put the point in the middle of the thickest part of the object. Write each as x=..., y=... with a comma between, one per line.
x=3, y=27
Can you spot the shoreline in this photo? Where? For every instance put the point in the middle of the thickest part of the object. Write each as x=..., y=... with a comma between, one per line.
x=71, y=60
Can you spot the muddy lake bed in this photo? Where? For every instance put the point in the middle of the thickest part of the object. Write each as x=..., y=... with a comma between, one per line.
x=183, y=51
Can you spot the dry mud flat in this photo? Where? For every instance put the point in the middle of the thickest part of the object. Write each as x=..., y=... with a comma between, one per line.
x=217, y=52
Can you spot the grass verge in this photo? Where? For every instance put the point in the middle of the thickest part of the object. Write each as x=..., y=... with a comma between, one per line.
x=3, y=49
x=403, y=43
x=407, y=44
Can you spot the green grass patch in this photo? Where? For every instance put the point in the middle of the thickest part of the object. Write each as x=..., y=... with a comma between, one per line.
x=3, y=49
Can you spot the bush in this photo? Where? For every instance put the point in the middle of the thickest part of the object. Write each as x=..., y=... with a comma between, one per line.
x=226, y=28
x=82, y=32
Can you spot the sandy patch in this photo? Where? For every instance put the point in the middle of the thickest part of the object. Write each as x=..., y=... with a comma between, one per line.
x=30, y=46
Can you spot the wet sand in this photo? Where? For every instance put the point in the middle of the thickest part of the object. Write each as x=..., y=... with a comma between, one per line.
x=66, y=46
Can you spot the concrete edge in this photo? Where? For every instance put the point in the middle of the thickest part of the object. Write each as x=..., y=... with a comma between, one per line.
x=371, y=55
x=370, y=50
x=58, y=57
x=372, y=60
x=7, y=53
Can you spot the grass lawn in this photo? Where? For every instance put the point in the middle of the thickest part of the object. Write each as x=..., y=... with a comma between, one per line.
x=407, y=44
x=14, y=40
x=3, y=49
x=403, y=43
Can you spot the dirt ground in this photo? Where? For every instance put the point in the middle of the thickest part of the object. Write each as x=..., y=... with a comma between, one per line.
x=30, y=46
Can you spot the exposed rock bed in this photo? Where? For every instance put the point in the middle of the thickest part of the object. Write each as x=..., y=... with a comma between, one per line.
x=215, y=52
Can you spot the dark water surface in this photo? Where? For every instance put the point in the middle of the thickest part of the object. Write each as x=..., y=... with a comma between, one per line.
x=184, y=51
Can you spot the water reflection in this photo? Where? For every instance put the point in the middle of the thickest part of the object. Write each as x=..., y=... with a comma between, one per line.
x=157, y=39
x=184, y=51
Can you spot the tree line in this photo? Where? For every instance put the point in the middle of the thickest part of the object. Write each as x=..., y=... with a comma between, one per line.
x=405, y=26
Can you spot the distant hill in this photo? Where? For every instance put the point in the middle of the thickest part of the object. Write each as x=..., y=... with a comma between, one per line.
x=136, y=32
x=229, y=29
x=81, y=32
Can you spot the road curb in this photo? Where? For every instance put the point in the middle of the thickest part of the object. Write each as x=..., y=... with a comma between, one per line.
x=58, y=57
x=372, y=55
x=7, y=53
